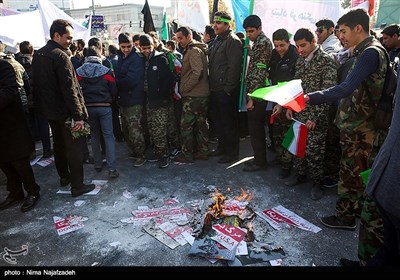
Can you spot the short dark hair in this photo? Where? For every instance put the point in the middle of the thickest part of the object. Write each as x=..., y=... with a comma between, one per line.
x=197, y=36
x=280, y=35
x=93, y=51
x=145, y=40
x=355, y=17
x=210, y=31
x=95, y=42
x=25, y=47
x=252, y=21
x=224, y=15
x=73, y=47
x=112, y=49
x=59, y=26
x=326, y=22
x=153, y=34
x=391, y=30
x=185, y=31
x=136, y=37
x=80, y=42
x=171, y=44
x=304, y=33
x=124, y=38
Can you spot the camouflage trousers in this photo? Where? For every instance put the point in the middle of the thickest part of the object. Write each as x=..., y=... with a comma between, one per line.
x=356, y=152
x=332, y=146
x=157, y=121
x=194, y=126
x=315, y=153
x=173, y=128
x=281, y=126
x=371, y=231
x=131, y=119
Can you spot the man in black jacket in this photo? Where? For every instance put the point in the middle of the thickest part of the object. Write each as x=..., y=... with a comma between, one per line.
x=15, y=142
x=58, y=96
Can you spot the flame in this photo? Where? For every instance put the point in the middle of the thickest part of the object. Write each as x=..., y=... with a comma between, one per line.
x=217, y=207
x=244, y=195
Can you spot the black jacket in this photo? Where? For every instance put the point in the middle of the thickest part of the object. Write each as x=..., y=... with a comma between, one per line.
x=282, y=69
x=57, y=93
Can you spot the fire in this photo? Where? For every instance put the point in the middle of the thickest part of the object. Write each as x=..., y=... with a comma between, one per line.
x=217, y=207
x=247, y=196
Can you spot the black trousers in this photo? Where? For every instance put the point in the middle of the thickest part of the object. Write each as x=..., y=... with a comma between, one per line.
x=68, y=154
x=256, y=120
x=224, y=109
x=20, y=175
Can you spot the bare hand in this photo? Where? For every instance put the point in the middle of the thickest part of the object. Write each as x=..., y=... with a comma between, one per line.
x=250, y=105
x=310, y=125
x=78, y=126
x=276, y=110
x=289, y=114
x=306, y=98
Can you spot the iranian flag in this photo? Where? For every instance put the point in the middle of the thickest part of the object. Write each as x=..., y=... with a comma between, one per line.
x=295, y=139
x=289, y=95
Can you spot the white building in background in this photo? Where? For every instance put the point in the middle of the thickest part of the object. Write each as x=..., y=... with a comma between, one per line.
x=28, y=5
x=123, y=18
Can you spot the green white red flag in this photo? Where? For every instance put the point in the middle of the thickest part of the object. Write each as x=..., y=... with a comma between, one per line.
x=289, y=95
x=296, y=138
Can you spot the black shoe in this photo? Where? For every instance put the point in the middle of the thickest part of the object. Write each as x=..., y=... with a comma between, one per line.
x=64, y=182
x=163, y=162
x=82, y=190
x=47, y=154
x=89, y=160
x=349, y=263
x=336, y=223
x=10, y=201
x=30, y=202
x=254, y=167
x=228, y=159
x=249, y=162
x=284, y=173
x=216, y=153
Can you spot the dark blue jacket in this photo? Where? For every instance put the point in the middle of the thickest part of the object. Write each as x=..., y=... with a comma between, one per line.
x=159, y=79
x=129, y=75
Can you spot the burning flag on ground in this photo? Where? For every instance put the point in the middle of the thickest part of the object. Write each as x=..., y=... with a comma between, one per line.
x=289, y=95
x=296, y=138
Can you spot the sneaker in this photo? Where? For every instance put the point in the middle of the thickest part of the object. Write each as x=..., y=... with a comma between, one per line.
x=89, y=160
x=163, y=162
x=328, y=182
x=174, y=153
x=316, y=192
x=113, y=174
x=300, y=179
x=284, y=173
x=182, y=159
x=200, y=156
x=139, y=162
x=47, y=154
x=335, y=222
x=82, y=190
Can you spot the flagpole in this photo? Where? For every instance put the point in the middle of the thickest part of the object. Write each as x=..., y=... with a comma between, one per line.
x=245, y=52
x=298, y=121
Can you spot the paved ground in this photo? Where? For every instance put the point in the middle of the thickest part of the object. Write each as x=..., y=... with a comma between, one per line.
x=151, y=186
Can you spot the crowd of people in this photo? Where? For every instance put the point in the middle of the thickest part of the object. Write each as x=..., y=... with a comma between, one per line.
x=169, y=100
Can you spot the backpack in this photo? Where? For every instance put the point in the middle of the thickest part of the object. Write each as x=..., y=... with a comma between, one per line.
x=384, y=110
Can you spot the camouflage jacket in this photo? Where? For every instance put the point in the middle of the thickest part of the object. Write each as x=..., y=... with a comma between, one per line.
x=320, y=73
x=355, y=113
x=260, y=55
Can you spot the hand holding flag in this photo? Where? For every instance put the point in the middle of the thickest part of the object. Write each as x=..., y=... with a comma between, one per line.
x=289, y=95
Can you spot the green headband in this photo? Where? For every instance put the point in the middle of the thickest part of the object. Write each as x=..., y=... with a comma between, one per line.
x=218, y=18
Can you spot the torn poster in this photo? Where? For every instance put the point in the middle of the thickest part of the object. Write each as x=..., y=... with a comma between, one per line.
x=228, y=236
x=69, y=223
x=209, y=248
x=174, y=231
x=158, y=234
x=279, y=214
x=45, y=162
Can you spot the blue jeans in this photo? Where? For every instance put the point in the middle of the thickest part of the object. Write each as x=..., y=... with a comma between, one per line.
x=100, y=118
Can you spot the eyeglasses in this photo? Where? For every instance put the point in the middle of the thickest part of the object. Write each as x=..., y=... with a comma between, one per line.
x=320, y=29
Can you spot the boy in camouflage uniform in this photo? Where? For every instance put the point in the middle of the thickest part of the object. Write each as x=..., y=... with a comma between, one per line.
x=257, y=75
x=317, y=70
x=359, y=94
